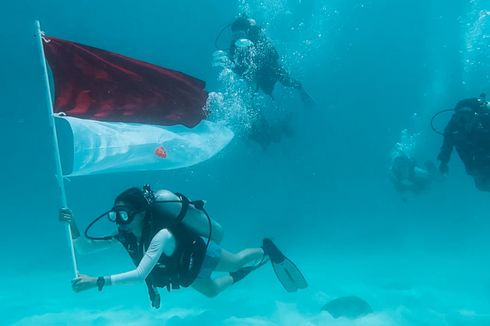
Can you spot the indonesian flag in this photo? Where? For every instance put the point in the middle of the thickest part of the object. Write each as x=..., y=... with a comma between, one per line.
x=116, y=113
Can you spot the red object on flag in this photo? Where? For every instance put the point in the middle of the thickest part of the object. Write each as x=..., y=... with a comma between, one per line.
x=95, y=84
x=160, y=152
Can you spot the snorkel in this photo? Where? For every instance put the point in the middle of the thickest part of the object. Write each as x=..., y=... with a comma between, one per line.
x=483, y=103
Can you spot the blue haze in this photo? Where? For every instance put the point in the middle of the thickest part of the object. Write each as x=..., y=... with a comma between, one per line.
x=324, y=195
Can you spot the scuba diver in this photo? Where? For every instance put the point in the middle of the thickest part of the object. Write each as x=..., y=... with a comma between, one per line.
x=255, y=58
x=407, y=175
x=174, y=243
x=468, y=132
x=252, y=56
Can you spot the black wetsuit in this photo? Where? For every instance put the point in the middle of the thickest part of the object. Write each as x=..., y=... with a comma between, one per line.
x=262, y=64
x=469, y=132
x=178, y=270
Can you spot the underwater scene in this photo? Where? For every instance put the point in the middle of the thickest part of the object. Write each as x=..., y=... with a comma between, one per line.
x=245, y=162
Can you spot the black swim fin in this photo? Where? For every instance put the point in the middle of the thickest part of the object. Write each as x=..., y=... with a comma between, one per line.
x=307, y=100
x=286, y=271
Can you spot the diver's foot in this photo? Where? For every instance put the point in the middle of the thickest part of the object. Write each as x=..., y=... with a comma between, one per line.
x=271, y=250
x=244, y=271
x=241, y=273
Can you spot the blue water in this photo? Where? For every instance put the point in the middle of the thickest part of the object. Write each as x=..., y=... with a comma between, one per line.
x=374, y=68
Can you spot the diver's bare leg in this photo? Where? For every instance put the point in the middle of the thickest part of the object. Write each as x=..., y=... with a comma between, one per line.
x=212, y=288
x=231, y=262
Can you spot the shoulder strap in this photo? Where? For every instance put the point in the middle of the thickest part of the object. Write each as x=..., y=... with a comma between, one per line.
x=184, y=208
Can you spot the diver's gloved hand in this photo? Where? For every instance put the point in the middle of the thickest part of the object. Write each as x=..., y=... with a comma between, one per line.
x=443, y=168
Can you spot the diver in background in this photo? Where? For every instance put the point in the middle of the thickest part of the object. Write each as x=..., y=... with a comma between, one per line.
x=174, y=243
x=253, y=57
x=407, y=175
x=468, y=132
x=256, y=59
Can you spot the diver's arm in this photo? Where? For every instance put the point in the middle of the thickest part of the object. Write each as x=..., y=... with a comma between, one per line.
x=447, y=145
x=162, y=243
x=286, y=80
x=445, y=155
x=82, y=245
x=446, y=148
x=86, y=246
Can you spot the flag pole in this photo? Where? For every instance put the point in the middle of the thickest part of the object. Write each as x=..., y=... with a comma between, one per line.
x=59, y=172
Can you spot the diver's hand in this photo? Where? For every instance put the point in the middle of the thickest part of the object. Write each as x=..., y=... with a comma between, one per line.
x=443, y=169
x=83, y=282
x=65, y=215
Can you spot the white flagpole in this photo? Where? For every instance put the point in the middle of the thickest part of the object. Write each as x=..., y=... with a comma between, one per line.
x=59, y=172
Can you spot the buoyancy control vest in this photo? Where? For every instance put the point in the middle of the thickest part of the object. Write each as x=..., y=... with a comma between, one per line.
x=175, y=271
x=174, y=212
x=186, y=220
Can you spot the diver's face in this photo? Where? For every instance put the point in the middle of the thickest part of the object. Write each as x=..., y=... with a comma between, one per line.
x=126, y=218
x=135, y=224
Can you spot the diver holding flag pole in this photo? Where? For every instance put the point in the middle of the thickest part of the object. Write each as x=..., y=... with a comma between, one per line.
x=174, y=243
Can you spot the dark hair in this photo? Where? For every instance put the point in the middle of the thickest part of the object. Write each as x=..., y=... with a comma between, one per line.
x=242, y=23
x=473, y=103
x=134, y=198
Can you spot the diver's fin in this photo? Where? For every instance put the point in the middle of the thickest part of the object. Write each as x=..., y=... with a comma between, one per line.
x=307, y=100
x=286, y=271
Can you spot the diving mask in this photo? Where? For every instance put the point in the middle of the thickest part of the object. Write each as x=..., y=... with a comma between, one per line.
x=121, y=215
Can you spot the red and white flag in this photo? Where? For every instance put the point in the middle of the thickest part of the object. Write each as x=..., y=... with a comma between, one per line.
x=122, y=114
